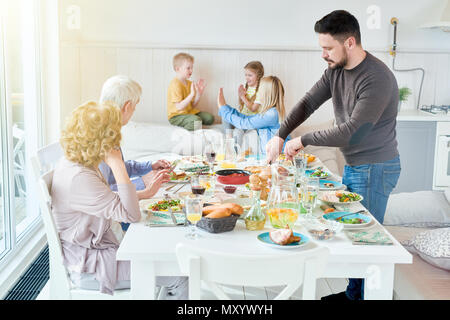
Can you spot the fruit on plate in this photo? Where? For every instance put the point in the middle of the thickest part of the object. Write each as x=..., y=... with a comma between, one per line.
x=310, y=157
x=283, y=236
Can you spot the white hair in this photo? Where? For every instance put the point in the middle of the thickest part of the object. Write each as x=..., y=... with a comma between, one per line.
x=120, y=89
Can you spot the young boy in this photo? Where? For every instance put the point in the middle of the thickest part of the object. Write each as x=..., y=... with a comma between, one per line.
x=183, y=95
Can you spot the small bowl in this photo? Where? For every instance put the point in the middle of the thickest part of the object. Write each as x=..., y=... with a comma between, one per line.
x=229, y=189
x=321, y=229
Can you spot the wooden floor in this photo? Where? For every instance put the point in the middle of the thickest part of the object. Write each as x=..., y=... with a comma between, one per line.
x=324, y=288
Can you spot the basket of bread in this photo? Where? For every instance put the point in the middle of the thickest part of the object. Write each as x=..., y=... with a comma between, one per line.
x=219, y=218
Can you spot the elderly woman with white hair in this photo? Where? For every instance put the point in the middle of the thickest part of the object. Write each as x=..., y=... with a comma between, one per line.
x=124, y=93
x=85, y=208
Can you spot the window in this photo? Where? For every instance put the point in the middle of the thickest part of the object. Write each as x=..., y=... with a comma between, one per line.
x=20, y=117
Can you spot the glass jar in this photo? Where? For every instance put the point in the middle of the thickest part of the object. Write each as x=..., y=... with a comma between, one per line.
x=283, y=205
x=255, y=219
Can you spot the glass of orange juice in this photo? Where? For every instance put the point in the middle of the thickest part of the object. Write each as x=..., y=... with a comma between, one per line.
x=193, y=207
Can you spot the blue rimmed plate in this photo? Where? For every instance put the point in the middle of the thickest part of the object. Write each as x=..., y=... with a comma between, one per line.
x=334, y=216
x=265, y=239
x=335, y=185
x=324, y=174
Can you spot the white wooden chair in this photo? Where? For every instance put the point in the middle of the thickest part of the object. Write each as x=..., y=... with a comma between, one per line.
x=290, y=270
x=59, y=282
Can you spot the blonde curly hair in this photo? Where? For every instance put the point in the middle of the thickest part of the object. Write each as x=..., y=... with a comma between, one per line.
x=91, y=132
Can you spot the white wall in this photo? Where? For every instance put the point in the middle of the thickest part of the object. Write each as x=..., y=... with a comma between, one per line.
x=139, y=38
x=249, y=22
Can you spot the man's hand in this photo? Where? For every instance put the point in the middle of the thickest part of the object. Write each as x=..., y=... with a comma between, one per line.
x=274, y=148
x=293, y=147
x=153, y=181
x=160, y=164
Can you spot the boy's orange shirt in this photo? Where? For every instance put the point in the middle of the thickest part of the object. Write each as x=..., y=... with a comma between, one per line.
x=176, y=93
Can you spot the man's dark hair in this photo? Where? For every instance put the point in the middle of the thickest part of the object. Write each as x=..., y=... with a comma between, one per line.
x=340, y=24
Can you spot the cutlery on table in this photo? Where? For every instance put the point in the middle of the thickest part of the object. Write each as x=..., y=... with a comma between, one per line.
x=349, y=214
x=167, y=189
x=179, y=188
x=174, y=220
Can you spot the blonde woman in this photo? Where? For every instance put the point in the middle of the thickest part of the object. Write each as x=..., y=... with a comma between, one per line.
x=271, y=112
x=84, y=207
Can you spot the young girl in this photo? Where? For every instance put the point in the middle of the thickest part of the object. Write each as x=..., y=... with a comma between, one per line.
x=271, y=112
x=248, y=105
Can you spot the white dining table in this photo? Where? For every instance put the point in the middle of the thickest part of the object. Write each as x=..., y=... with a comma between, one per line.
x=151, y=252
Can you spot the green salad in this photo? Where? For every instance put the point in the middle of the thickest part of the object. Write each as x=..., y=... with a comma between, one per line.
x=348, y=197
x=319, y=173
x=350, y=220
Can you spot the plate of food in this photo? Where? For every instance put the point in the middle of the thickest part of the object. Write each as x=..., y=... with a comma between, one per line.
x=283, y=239
x=348, y=219
x=327, y=185
x=317, y=173
x=340, y=197
x=311, y=160
x=179, y=177
x=161, y=205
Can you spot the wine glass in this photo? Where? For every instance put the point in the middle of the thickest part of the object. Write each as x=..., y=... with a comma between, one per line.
x=309, y=194
x=193, y=208
x=210, y=154
x=196, y=187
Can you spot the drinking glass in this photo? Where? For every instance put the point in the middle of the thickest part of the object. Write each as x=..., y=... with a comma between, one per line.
x=300, y=162
x=309, y=194
x=208, y=181
x=193, y=208
x=196, y=187
x=210, y=154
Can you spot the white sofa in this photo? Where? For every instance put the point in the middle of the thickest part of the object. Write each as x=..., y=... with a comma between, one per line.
x=151, y=141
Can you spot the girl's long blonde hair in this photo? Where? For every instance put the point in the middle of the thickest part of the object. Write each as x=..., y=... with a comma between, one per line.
x=257, y=68
x=91, y=132
x=271, y=94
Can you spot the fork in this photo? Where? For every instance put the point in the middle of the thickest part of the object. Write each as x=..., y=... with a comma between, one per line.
x=349, y=214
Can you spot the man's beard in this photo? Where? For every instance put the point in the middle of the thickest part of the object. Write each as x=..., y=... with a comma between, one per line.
x=340, y=64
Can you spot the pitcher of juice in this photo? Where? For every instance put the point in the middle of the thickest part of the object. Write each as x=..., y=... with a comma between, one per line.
x=283, y=206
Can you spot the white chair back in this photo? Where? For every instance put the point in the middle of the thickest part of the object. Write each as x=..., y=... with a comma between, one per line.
x=59, y=285
x=290, y=270
x=59, y=282
x=48, y=157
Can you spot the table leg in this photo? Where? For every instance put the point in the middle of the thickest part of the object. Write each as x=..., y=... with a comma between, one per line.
x=379, y=282
x=142, y=280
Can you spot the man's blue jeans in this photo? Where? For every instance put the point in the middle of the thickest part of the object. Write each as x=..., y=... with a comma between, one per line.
x=375, y=183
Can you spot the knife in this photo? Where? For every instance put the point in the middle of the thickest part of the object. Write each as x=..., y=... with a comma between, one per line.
x=174, y=220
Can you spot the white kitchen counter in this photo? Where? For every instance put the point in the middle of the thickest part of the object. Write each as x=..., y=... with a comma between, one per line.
x=418, y=115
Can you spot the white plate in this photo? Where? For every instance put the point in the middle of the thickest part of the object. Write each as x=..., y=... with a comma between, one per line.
x=143, y=204
x=330, y=197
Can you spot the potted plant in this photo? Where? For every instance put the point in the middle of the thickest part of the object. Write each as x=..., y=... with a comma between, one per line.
x=403, y=95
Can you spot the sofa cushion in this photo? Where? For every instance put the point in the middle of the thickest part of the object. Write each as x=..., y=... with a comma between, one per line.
x=432, y=246
x=142, y=139
x=418, y=209
x=419, y=280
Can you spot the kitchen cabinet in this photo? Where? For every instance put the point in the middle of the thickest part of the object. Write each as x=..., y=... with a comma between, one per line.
x=416, y=145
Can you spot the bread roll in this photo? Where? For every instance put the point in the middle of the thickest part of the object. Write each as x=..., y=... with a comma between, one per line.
x=219, y=213
x=208, y=209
